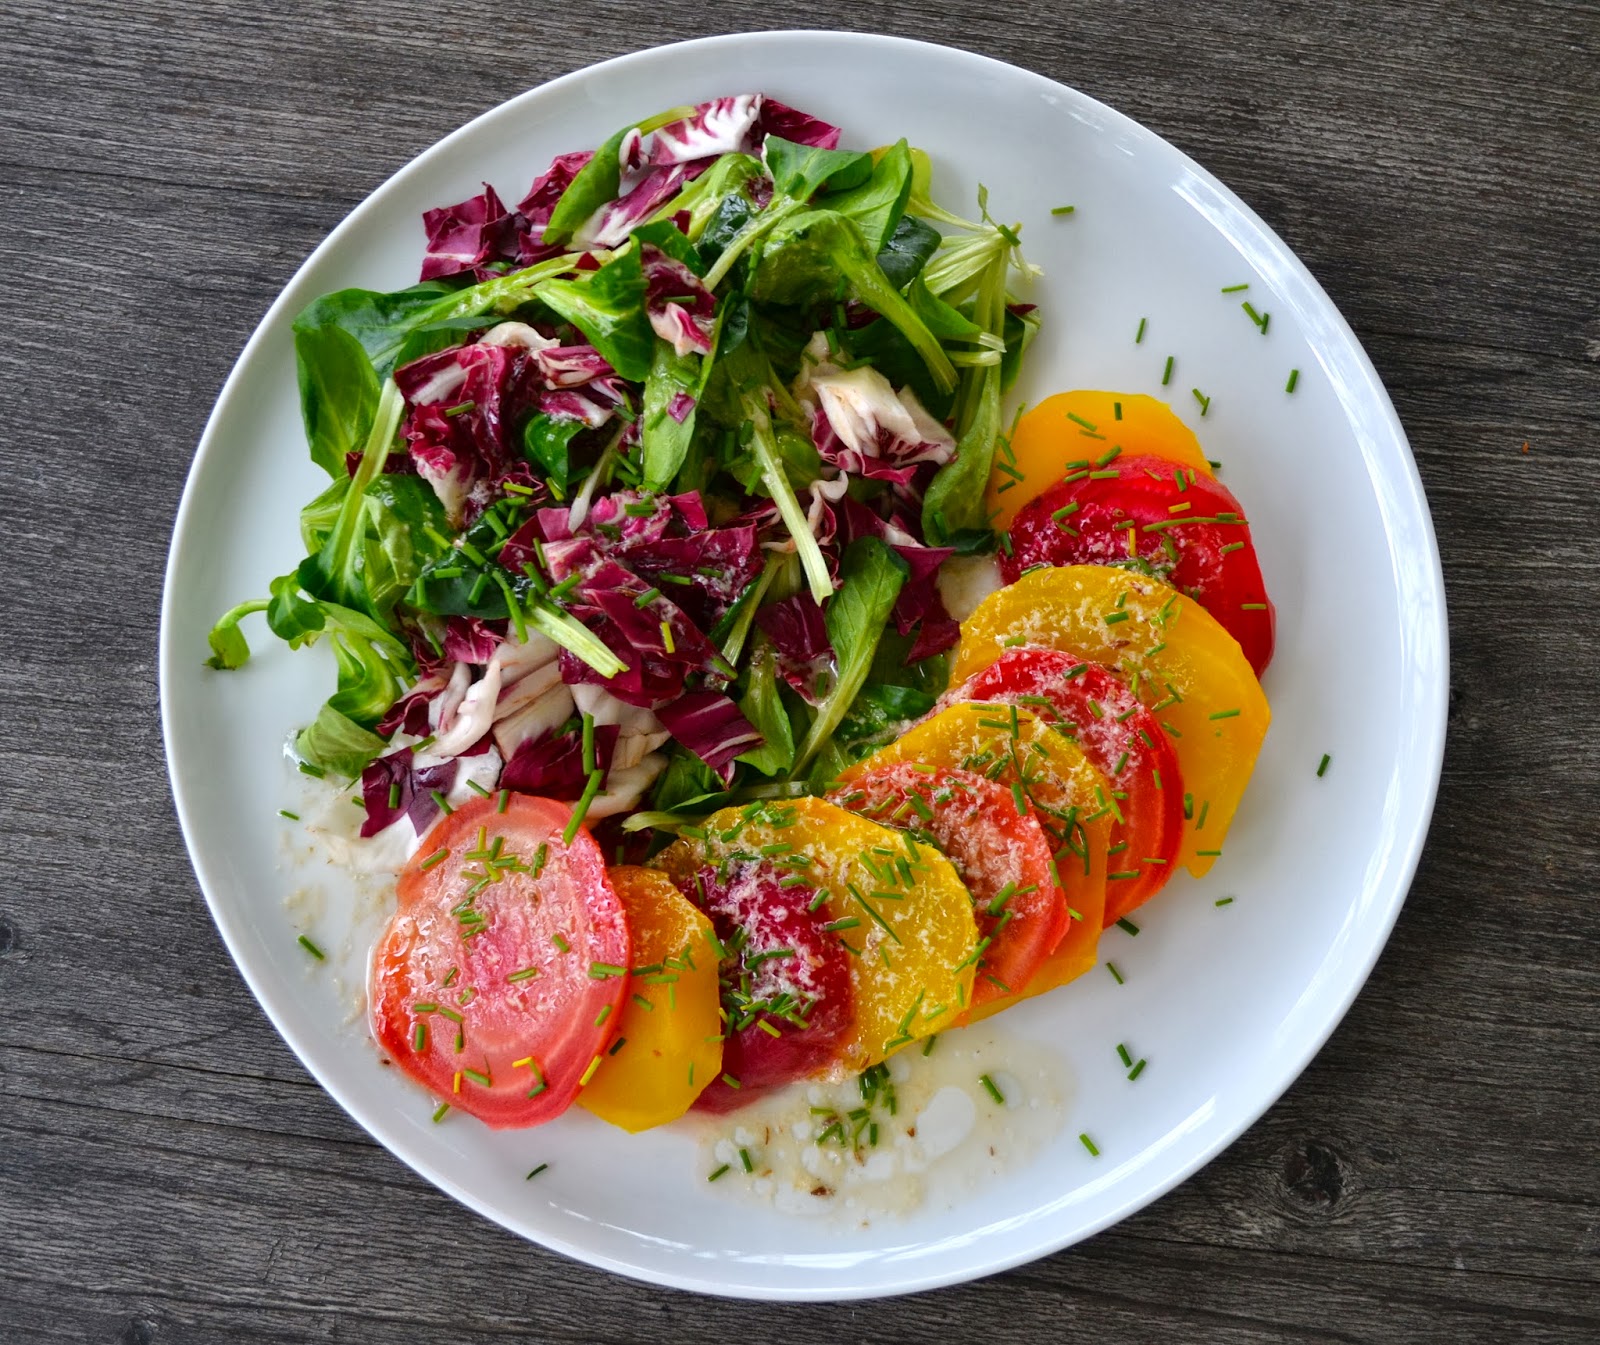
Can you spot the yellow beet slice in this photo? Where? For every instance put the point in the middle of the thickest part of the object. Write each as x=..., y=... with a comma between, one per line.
x=1178, y=660
x=672, y=1048
x=912, y=934
x=1066, y=793
x=1048, y=437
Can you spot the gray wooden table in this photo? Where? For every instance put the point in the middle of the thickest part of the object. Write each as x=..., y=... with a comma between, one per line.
x=168, y=1172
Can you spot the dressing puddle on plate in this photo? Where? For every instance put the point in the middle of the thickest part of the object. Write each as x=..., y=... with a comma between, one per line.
x=919, y=1131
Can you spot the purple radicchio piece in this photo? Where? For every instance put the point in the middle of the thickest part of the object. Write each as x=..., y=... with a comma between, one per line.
x=392, y=787
x=468, y=235
x=800, y=128
x=800, y=639
x=682, y=311
x=614, y=221
x=472, y=640
x=862, y=426
x=538, y=205
x=459, y=404
x=711, y=726
x=552, y=765
x=721, y=126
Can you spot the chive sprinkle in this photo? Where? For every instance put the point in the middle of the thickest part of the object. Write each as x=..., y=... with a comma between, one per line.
x=1138, y=336
x=1127, y=926
x=312, y=949
x=745, y=1160
x=439, y=1114
x=308, y=768
x=992, y=1090
x=1127, y=1058
x=526, y=974
x=1115, y=974
x=284, y=812
x=1205, y=402
x=719, y=1172
x=1294, y=377
x=1089, y=1145
x=1137, y=1070
x=1322, y=766
x=1223, y=901
x=1234, y=289
x=437, y=857
x=477, y=789
x=1062, y=209
x=543, y=1167
x=1222, y=714
x=1166, y=376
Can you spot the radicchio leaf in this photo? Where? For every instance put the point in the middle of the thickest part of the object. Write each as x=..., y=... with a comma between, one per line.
x=799, y=128
x=466, y=236
x=458, y=411
x=552, y=765
x=394, y=777
x=721, y=126
x=711, y=726
x=472, y=640
x=800, y=638
x=682, y=311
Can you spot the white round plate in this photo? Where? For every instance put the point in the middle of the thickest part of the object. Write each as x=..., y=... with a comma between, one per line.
x=1227, y=1003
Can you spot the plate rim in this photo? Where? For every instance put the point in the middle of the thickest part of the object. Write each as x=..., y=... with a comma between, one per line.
x=1400, y=471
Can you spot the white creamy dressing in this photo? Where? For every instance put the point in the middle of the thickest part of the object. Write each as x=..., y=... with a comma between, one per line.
x=946, y=1138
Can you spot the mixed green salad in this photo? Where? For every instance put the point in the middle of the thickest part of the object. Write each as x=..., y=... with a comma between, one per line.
x=637, y=500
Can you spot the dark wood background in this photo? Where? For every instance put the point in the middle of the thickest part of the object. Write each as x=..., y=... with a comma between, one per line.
x=168, y=1172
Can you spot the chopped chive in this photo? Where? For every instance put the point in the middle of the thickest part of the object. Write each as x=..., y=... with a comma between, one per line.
x=477, y=789
x=1205, y=402
x=731, y=1081
x=927, y=1046
x=543, y=1167
x=394, y=794
x=589, y=1073
x=439, y=1114
x=617, y=1045
x=1207, y=854
x=1234, y=289
x=1115, y=974
x=599, y=971
x=312, y=949
x=1138, y=336
x=526, y=974
x=1166, y=375
x=1322, y=766
x=1222, y=714
x=1294, y=377
x=1223, y=901
x=993, y=1091
x=1127, y=926
x=444, y=804
x=1089, y=1145
x=419, y=1037
x=1137, y=1070
x=482, y=1080
x=1062, y=209
x=505, y=798
x=745, y=1161
x=562, y=946
x=581, y=809
x=605, y=1013
x=1127, y=1058
x=284, y=812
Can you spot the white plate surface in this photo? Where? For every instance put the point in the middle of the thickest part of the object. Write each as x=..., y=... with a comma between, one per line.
x=1227, y=1003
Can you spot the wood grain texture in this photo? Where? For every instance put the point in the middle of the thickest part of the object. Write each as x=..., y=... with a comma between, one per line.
x=168, y=1173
